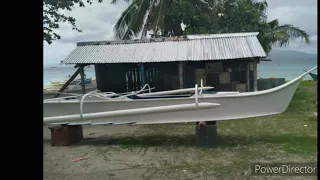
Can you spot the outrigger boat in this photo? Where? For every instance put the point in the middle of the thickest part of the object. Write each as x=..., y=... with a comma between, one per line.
x=149, y=108
x=74, y=82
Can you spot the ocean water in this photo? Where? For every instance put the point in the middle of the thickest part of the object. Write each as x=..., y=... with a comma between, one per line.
x=286, y=69
x=266, y=69
x=62, y=73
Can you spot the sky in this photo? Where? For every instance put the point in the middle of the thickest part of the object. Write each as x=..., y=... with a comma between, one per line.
x=97, y=20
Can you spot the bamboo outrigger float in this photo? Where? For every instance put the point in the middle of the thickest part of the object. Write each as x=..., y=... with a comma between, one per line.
x=163, y=108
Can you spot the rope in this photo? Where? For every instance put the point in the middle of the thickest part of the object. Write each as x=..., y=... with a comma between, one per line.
x=82, y=99
x=101, y=94
x=136, y=92
x=98, y=94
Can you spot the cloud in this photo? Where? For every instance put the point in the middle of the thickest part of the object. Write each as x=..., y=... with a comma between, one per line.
x=97, y=21
x=302, y=14
x=298, y=45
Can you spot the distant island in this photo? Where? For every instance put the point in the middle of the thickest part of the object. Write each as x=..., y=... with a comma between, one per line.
x=276, y=54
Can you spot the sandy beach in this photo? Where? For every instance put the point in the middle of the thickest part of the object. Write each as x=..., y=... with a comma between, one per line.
x=130, y=152
x=105, y=159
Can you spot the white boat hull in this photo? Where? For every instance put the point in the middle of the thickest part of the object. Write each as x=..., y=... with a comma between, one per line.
x=232, y=106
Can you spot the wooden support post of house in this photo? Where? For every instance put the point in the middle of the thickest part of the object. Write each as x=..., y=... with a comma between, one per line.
x=68, y=82
x=181, y=74
x=143, y=75
x=97, y=72
x=83, y=86
x=255, y=74
x=248, y=76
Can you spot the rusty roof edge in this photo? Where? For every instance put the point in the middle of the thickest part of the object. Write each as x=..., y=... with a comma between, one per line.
x=223, y=35
x=133, y=41
x=166, y=39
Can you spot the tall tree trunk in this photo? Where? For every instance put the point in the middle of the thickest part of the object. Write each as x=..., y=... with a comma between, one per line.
x=144, y=32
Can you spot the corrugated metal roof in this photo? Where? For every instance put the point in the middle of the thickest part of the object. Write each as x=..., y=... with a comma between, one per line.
x=191, y=48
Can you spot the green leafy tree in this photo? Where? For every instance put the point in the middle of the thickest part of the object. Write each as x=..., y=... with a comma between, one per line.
x=52, y=16
x=198, y=19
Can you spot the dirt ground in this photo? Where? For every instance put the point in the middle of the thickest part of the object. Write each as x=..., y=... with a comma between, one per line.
x=130, y=152
x=104, y=159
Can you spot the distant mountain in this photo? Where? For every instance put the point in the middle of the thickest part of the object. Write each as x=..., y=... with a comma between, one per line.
x=276, y=54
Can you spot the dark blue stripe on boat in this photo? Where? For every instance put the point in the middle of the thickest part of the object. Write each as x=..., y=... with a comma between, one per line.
x=155, y=97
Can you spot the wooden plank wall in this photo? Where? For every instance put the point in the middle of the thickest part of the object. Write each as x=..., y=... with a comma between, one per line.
x=127, y=77
x=163, y=76
x=111, y=77
x=134, y=82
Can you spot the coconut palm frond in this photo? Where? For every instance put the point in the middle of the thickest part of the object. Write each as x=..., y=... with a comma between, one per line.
x=138, y=20
x=281, y=38
x=273, y=24
x=156, y=17
x=294, y=32
x=123, y=23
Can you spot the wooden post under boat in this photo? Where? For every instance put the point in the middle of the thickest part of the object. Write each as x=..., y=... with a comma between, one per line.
x=68, y=82
x=83, y=86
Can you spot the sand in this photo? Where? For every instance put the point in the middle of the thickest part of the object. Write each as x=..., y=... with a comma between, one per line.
x=104, y=159
x=159, y=152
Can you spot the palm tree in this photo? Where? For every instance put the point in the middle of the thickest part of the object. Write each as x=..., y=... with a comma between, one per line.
x=272, y=33
x=251, y=15
x=233, y=16
x=145, y=15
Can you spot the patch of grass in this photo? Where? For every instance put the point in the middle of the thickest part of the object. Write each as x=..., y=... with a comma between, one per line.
x=287, y=137
x=310, y=83
x=298, y=122
x=289, y=142
x=305, y=98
